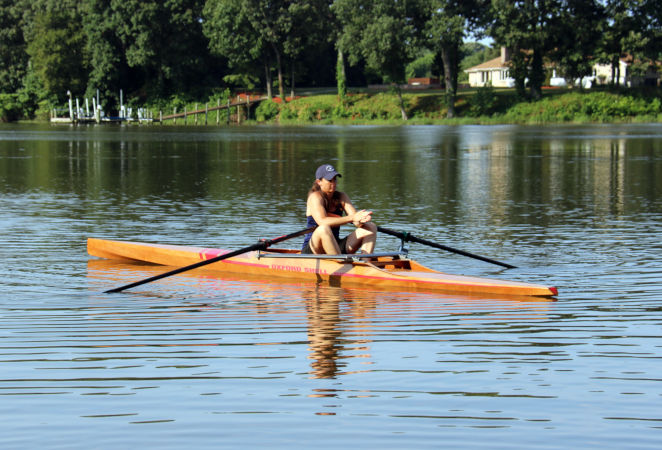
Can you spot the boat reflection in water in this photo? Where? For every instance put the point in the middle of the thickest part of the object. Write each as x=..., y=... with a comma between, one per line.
x=341, y=323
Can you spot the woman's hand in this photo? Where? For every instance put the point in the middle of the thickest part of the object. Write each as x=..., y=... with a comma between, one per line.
x=361, y=217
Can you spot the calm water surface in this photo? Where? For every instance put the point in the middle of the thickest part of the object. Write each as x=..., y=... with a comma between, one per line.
x=194, y=361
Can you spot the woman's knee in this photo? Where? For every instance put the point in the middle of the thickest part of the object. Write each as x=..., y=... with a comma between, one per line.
x=370, y=226
x=368, y=229
x=323, y=230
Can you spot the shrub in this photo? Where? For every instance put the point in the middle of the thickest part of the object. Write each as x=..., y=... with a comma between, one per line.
x=483, y=102
x=266, y=110
x=10, y=108
x=378, y=106
x=594, y=106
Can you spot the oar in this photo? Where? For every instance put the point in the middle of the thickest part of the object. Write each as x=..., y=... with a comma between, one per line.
x=262, y=245
x=408, y=237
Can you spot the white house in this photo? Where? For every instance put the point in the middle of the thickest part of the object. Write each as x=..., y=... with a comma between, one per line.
x=495, y=72
x=603, y=73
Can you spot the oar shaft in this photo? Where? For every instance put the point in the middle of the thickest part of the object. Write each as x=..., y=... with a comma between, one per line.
x=262, y=245
x=258, y=246
x=409, y=237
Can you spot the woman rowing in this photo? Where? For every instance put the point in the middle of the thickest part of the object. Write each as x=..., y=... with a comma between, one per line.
x=325, y=208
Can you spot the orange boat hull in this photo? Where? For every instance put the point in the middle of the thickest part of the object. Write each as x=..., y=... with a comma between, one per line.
x=386, y=272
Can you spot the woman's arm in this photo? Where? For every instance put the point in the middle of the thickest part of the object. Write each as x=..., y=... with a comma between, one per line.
x=317, y=210
x=358, y=218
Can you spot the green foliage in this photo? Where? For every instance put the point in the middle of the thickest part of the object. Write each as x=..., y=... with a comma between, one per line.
x=379, y=106
x=266, y=111
x=586, y=107
x=13, y=58
x=377, y=33
x=56, y=48
x=10, y=107
x=157, y=53
x=308, y=110
x=181, y=102
x=341, y=77
x=163, y=41
x=446, y=23
x=35, y=100
x=249, y=38
x=230, y=33
x=483, y=102
x=485, y=105
x=219, y=94
x=579, y=31
x=107, y=63
x=421, y=66
x=241, y=80
x=28, y=102
x=357, y=108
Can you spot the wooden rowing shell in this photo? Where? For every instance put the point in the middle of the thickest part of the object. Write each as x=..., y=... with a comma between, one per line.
x=391, y=272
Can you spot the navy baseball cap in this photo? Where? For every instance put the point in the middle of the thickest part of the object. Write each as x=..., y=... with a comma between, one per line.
x=326, y=171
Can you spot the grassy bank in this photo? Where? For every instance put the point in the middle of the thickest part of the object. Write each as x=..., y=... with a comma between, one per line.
x=475, y=106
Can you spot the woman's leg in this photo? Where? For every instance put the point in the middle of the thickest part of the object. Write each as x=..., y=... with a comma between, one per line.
x=362, y=239
x=323, y=241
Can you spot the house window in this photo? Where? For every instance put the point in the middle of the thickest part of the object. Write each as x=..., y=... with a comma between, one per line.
x=484, y=77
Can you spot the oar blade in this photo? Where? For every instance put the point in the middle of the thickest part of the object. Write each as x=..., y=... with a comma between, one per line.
x=411, y=238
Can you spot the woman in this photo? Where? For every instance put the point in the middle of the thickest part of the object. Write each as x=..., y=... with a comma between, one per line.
x=325, y=208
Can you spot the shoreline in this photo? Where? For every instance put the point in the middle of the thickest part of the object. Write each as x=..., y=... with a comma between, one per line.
x=482, y=106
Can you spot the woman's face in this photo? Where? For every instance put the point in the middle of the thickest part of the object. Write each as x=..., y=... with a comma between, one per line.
x=327, y=186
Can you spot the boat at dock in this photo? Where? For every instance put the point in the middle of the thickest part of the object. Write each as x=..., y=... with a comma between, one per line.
x=380, y=270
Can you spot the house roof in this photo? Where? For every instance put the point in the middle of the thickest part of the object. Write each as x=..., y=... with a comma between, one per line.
x=492, y=64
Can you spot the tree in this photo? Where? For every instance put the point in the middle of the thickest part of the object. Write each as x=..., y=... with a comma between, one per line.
x=579, y=30
x=252, y=31
x=447, y=22
x=382, y=33
x=56, y=46
x=227, y=26
x=107, y=62
x=618, y=25
x=163, y=40
x=528, y=28
x=634, y=28
x=13, y=56
x=307, y=33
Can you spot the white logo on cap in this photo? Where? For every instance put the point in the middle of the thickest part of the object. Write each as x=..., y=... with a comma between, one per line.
x=329, y=168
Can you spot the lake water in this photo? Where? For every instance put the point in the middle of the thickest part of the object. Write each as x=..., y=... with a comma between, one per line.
x=193, y=361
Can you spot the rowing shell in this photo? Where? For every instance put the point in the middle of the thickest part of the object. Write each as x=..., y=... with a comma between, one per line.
x=382, y=271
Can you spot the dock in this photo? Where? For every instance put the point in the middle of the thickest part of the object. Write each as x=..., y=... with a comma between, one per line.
x=77, y=114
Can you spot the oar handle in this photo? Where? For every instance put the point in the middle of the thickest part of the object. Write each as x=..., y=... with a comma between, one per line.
x=262, y=245
x=411, y=238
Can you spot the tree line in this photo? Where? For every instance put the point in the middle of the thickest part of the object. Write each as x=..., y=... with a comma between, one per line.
x=156, y=49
